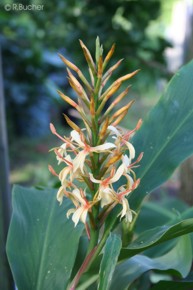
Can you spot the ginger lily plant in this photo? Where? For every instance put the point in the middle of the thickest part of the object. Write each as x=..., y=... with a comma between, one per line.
x=97, y=235
x=92, y=164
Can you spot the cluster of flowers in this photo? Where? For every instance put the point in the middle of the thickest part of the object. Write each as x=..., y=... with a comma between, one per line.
x=97, y=156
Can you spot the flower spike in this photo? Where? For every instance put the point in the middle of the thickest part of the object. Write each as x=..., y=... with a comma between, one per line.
x=94, y=157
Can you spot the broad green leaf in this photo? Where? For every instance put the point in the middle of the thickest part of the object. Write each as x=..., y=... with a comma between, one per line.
x=109, y=260
x=173, y=285
x=42, y=243
x=178, y=259
x=154, y=213
x=156, y=236
x=166, y=136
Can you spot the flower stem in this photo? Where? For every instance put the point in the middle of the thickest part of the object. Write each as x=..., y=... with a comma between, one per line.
x=90, y=258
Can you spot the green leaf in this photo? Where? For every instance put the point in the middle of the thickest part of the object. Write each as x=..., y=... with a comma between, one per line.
x=171, y=285
x=42, y=243
x=156, y=236
x=178, y=259
x=152, y=215
x=166, y=136
x=109, y=260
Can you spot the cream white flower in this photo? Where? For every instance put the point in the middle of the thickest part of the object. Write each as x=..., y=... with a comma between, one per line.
x=79, y=160
x=126, y=211
x=62, y=151
x=114, y=197
x=104, y=184
x=60, y=194
x=82, y=205
x=120, y=139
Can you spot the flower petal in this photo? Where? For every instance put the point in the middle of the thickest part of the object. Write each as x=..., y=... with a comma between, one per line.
x=106, y=198
x=114, y=130
x=60, y=194
x=63, y=174
x=126, y=160
x=84, y=215
x=76, y=137
x=77, y=196
x=93, y=179
x=102, y=148
x=77, y=215
x=118, y=173
x=69, y=212
x=131, y=149
x=79, y=160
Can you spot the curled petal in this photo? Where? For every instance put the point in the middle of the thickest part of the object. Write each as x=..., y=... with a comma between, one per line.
x=131, y=149
x=130, y=181
x=126, y=160
x=69, y=212
x=102, y=148
x=79, y=160
x=114, y=130
x=118, y=173
x=94, y=179
x=61, y=151
x=63, y=174
x=60, y=194
x=80, y=213
x=126, y=211
x=76, y=137
x=77, y=195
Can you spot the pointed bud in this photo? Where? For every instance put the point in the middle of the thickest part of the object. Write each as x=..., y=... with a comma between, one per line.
x=98, y=49
x=77, y=86
x=119, y=119
x=103, y=130
x=69, y=63
x=109, y=55
x=68, y=100
x=109, y=92
x=88, y=57
x=107, y=95
x=92, y=107
x=72, y=124
x=123, y=109
x=112, y=68
x=118, y=100
x=128, y=76
x=77, y=70
x=100, y=67
x=124, y=78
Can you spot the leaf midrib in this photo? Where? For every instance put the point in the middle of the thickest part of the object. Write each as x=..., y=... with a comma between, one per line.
x=42, y=259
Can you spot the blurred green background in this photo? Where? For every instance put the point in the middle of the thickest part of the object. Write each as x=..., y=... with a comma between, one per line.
x=32, y=36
